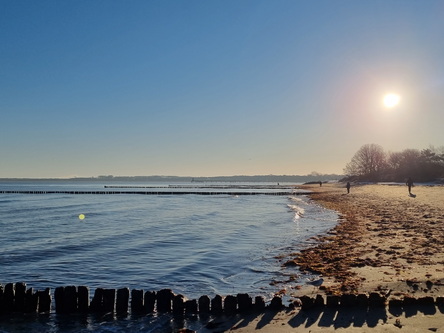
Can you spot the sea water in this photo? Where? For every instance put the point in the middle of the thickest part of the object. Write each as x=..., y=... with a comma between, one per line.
x=193, y=244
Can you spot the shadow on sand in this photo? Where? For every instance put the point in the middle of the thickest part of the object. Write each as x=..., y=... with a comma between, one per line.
x=339, y=318
x=336, y=317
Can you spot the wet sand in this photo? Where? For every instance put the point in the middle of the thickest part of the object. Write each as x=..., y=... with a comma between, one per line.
x=387, y=242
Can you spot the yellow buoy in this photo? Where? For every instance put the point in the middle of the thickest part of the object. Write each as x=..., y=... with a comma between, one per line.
x=81, y=217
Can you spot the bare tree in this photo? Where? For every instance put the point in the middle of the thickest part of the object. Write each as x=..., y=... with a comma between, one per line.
x=368, y=162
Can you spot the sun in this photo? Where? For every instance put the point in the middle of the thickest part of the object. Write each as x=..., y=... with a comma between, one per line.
x=391, y=100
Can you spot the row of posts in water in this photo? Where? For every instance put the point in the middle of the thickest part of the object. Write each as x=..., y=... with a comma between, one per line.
x=17, y=298
x=151, y=192
x=71, y=299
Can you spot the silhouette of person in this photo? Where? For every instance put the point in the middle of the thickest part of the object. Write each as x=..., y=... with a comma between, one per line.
x=409, y=183
x=348, y=187
x=320, y=184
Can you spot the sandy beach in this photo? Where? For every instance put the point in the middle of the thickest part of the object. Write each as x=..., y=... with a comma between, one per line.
x=387, y=242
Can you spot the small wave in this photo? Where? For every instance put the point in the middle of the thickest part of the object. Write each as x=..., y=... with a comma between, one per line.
x=298, y=211
x=298, y=200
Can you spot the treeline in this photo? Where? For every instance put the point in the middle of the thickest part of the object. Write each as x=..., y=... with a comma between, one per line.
x=372, y=163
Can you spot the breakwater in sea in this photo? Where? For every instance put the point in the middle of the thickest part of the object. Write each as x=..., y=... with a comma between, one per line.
x=17, y=298
x=164, y=192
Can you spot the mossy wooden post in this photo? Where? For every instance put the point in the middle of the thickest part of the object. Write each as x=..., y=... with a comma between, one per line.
x=44, y=300
x=122, y=301
x=137, y=301
x=204, y=304
x=83, y=299
x=149, y=301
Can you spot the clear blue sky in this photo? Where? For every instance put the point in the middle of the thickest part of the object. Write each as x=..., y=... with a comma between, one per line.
x=208, y=88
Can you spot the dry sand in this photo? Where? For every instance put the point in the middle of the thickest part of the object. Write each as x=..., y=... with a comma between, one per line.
x=387, y=242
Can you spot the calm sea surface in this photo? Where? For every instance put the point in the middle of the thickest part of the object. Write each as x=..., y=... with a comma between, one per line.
x=193, y=244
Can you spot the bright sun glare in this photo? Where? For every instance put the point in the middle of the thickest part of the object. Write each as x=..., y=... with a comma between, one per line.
x=391, y=100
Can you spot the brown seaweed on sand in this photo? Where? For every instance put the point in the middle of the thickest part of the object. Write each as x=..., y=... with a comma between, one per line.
x=372, y=232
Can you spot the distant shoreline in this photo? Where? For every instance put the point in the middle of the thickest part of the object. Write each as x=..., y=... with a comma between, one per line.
x=184, y=179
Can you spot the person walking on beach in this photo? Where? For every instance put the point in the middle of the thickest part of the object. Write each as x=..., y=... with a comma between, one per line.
x=409, y=183
x=348, y=187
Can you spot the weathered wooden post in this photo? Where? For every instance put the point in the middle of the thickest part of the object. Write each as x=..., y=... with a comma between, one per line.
x=19, y=297
x=83, y=299
x=122, y=301
x=216, y=305
x=44, y=300
x=149, y=300
x=97, y=301
x=276, y=303
x=137, y=301
x=59, y=299
x=259, y=304
x=164, y=299
x=9, y=297
x=204, y=304
x=31, y=301
x=109, y=298
x=70, y=299
x=230, y=304
x=178, y=304
x=191, y=306
x=244, y=302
